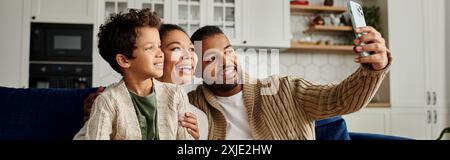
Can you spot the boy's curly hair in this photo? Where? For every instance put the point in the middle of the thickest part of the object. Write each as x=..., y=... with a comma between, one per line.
x=118, y=35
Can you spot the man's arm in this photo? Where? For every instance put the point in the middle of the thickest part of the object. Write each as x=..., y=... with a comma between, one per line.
x=355, y=92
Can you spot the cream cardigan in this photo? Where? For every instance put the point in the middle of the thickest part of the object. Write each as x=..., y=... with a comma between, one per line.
x=113, y=115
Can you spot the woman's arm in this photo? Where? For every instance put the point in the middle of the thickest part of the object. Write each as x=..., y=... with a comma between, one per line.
x=182, y=132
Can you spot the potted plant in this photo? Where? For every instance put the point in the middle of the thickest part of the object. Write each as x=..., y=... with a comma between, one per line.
x=372, y=16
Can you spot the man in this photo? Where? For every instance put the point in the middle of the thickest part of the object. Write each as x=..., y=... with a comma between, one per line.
x=247, y=111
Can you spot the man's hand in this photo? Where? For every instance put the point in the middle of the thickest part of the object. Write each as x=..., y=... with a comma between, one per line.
x=189, y=121
x=89, y=101
x=375, y=44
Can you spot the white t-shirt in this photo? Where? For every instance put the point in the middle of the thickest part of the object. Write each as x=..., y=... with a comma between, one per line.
x=236, y=116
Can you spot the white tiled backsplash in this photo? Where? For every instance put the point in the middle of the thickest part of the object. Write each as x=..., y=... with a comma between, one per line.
x=319, y=68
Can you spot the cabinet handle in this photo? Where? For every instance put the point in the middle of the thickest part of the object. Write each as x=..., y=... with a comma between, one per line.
x=33, y=17
x=428, y=116
x=428, y=98
x=434, y=99
x=245, y=42
x=435, y=116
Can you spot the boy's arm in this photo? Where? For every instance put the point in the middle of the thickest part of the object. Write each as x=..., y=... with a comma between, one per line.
x=99, y=126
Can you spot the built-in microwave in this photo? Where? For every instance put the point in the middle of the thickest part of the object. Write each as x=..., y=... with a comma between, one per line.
x=61, y=42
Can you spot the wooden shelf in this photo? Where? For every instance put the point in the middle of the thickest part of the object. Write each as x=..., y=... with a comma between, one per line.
x=320, y=28
x=297, y=9
x=379, y=105
x=296, y=46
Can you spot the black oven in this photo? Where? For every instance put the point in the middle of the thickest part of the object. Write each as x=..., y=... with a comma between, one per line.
x=61, y=42
x=61, y=55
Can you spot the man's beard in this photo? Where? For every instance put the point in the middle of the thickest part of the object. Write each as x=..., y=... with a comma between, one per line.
x=225, y=86
x=221, y=87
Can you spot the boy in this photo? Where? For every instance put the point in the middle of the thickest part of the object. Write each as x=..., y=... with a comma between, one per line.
x=138, y=107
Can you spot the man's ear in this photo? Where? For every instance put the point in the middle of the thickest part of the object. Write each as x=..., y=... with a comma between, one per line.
x=122, y=61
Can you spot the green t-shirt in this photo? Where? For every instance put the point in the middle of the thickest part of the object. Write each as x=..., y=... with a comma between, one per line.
x=147, y=115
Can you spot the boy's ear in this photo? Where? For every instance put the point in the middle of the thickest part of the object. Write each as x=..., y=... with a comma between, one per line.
x=122, y=61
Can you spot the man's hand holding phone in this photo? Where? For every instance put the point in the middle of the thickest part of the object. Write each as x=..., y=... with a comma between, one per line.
x=374, y=44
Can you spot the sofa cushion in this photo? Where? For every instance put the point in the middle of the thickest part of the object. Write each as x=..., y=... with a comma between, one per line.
x=369, y=136
x=41, y=113
x=332, y=129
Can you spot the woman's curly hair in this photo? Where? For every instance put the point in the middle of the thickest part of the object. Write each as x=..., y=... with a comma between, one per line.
x=118, y=35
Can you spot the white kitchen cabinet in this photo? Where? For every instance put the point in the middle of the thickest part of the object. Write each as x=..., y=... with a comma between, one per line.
x=440, y=121
x=265, y=23
x=11, y=68
x=411, y=123
x=419, y=123
x=419, y=76
x=189, y=14
x=409, y=67
x=370, y=120
x=161, y=7
x=63, y=11
x=226, y=14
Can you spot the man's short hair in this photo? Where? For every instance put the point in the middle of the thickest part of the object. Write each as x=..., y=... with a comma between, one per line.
x=205, y=32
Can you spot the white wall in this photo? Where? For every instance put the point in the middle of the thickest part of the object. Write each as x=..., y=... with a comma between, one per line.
x=11, y=42
x=447, y=26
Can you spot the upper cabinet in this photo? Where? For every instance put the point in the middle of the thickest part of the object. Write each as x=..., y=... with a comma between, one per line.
x=226, y=14
x=161, y=7
x=62, y=11
x=265, y=23
x=248, y=23
x=411, y=64
x=189, y=14
x=419, y=52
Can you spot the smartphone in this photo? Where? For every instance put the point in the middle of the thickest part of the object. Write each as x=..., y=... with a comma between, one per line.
x=358, y=20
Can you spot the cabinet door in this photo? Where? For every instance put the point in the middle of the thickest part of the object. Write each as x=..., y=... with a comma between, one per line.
x=369, y=120
x=63, y=11
x=406, y=41
x=161, y=7
x=189, y=14
x=441, y=120
x=411, y=122
x=10, y=43
x=108, y=7
x=266, y=23
x=437, y=54
x=226, y=15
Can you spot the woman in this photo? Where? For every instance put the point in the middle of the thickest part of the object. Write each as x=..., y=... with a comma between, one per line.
x=180, y=61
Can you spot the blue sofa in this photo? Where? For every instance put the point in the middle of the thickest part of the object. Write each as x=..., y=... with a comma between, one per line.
x=57, y=114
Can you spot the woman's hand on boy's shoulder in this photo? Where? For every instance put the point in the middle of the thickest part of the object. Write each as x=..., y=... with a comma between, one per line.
x=189, y=121
x=89, y=101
